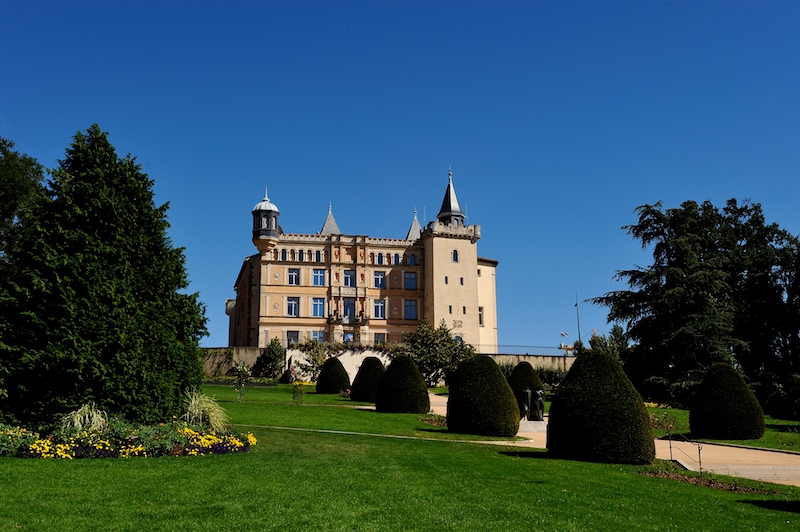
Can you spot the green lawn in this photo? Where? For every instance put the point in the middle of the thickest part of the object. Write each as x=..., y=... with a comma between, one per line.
x=780, y=434
x=307, y=480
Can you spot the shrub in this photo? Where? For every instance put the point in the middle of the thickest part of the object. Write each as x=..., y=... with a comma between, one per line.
x=481, y=401
x=88, y=416
x=402, y=389
x=365, y=385
x=598, y=415
x=333, y=378
x=271, y=360
x=522, y=378
x=204, y=410
x=725, y=408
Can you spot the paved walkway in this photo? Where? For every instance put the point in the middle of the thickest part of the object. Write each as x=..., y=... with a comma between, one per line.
x=766, y=465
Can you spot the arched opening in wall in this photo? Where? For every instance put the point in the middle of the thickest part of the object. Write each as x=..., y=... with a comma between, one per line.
x=319, y=255
x=300, y=255
x=283, y=255
x=455, y=255
x=275, y=254
x=412, y=260
x=372, y=258
x=396, y=258
x=293, y=255
x=380, y=258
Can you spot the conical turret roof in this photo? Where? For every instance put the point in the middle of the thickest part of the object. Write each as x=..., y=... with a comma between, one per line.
x=415, y=230
x=330, y=227
x=451, y=210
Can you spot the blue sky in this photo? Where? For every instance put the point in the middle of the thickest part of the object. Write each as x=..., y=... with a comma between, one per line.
x=558, y=119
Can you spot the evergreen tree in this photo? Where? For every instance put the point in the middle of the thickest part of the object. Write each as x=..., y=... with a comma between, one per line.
x=97, y=307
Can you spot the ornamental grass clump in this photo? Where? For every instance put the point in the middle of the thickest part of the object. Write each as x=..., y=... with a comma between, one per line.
x=597, y=415
x=332, y=377
x=204, y=410
x=725, y=408
x=481, y=401
x=89, y=416
x=365, y=385
x=402, y=389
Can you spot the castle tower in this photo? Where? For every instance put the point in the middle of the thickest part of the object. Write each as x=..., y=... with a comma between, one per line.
x=451, y=266
x=266, y=229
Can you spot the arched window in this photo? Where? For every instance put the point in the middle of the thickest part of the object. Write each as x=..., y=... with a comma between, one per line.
x=283, y=254
x=380, y=258
x=396, y=258
x=319, y=256
x=455, y=255
x=300, y=255
x=412, y=260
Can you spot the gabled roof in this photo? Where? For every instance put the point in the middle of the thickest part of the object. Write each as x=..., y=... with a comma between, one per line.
x=415, y=230
x=330, y=227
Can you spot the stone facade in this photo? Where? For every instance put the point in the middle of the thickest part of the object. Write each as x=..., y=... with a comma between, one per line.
x=352, y=288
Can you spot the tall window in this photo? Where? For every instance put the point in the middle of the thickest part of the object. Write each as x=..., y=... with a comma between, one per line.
x=349, y=277
x=380, y=309
x=411, y=309
x=319, y=277
x=294, y=276
x=397, y=258
x=410, y=281
x=293, y=306
x=455, y=255
x=301, y=255
x=283, y=254
x=380, y=338
x=292, y=337
x=318, y=256
x=319, y=336
x=412, y=260
x=380, y=258
x=380, y=279
x=480, y=316
x=318, y=307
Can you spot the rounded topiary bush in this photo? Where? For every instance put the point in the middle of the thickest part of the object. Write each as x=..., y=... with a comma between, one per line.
x=365, y=385
x=402, y=389
x=725, y=408
x=332, y=377
x=481, y=401
x=523, y=377
x=597, y=414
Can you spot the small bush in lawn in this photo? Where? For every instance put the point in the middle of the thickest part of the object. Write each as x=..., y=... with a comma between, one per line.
x=204, y=410
x=402, y=389
x=481, y=401
x=522, y=378
x=365, y=385
x=725, y=408
x=598, y=415
x=333, y=377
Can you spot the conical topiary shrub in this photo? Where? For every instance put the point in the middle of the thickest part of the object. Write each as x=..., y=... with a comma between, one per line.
x=332, y=377
x=725, y=408
x=597, y=414
x=481, y=401
x=402, y=389
x=522, y=378
x=365, y=385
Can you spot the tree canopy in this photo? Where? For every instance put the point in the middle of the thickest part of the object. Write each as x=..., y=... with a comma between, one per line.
x=722, y=287
x=95, y=307
x=435, y=351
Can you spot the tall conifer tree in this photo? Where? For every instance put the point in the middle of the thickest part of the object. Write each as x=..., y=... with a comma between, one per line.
x=100, y=313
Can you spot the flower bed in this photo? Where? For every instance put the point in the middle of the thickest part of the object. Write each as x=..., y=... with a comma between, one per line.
x=121, y=439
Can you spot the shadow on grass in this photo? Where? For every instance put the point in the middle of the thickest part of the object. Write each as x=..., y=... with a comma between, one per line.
x=539, y=453
x=780, y=506
x=783, y=428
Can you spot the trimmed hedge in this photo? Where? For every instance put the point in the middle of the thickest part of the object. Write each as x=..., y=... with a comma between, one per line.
x=332, y=377
x=365, y=385
x=597, y=414
x=523, y=377
x=481, y=401
x=402, y=389
x=725, y=408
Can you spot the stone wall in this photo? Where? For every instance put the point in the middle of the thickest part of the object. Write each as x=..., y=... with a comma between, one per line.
x=218, y=361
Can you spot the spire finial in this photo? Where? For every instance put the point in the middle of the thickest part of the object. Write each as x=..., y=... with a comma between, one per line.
x=330, y=207
x=266, y=193
x=449, y=173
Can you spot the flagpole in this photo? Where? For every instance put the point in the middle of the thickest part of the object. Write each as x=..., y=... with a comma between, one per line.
x=578, y=316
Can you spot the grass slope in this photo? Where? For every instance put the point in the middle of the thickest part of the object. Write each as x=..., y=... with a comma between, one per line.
x=321, y=481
